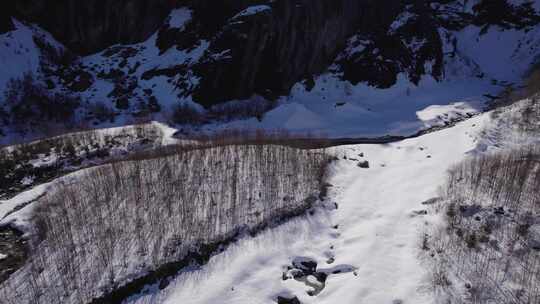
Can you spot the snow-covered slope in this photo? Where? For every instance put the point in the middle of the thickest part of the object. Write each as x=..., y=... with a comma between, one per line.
x=372, y=240
x=19, y=53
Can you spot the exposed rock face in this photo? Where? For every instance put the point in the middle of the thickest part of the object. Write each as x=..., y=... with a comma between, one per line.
x=267, y=52
x=263, y=47
x=6, y=12
x=92, y=25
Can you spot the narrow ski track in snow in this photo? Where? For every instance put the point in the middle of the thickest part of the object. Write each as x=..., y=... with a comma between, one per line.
x=369, y=246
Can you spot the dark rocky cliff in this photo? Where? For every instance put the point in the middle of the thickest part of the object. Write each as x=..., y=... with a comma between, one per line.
x=91, y=25
x=266, y=53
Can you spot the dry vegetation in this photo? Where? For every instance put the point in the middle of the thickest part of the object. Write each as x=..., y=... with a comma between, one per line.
x=489, y=251
x=24, y=165
x=117, y=222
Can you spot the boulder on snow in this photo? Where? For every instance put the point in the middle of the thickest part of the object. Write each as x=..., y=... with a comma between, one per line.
x=284, y=300
x=363, y=164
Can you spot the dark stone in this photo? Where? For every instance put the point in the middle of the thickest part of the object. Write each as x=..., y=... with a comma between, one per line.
x=320, y=276
x=92, y=25
x=285, y=300
x=307, y=265
x=431, y=201
x=420, y=212
x=122, y=103
x=82, y=82
x=363, y=164
x=498, y=210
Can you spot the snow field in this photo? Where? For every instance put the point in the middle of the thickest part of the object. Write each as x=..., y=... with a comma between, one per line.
x=378, y=232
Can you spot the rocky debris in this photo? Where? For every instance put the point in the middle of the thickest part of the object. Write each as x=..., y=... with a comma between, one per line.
x=498, y=210
x=81, y=82
x=305, y=264
x=305, y=270
x=431, y=201
x=470, y=210
x=363, y=164
x=285, y=300
x=419, y=212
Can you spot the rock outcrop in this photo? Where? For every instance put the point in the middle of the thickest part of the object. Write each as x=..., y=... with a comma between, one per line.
x=265, y=53
x=262, y=47
x=92, y=25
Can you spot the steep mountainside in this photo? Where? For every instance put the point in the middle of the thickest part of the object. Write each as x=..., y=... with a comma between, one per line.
x=333, y=67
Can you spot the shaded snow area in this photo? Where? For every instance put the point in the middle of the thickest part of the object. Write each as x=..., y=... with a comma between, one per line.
x=482, y=64
x=19, y=52
x=361, y=246
x=179, y=17
x=338, y=109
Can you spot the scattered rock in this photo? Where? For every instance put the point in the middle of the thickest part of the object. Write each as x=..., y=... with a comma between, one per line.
x=470, y=210
x=363, y=164
x=431, y=201
x=306, y=264
x=419, y=212
x=305, y=270
x=498, y=210
x=284, y=300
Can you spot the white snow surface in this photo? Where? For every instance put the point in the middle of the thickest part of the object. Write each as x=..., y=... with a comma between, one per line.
x=19, y=53
x=179, y=17
x=378, y=233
